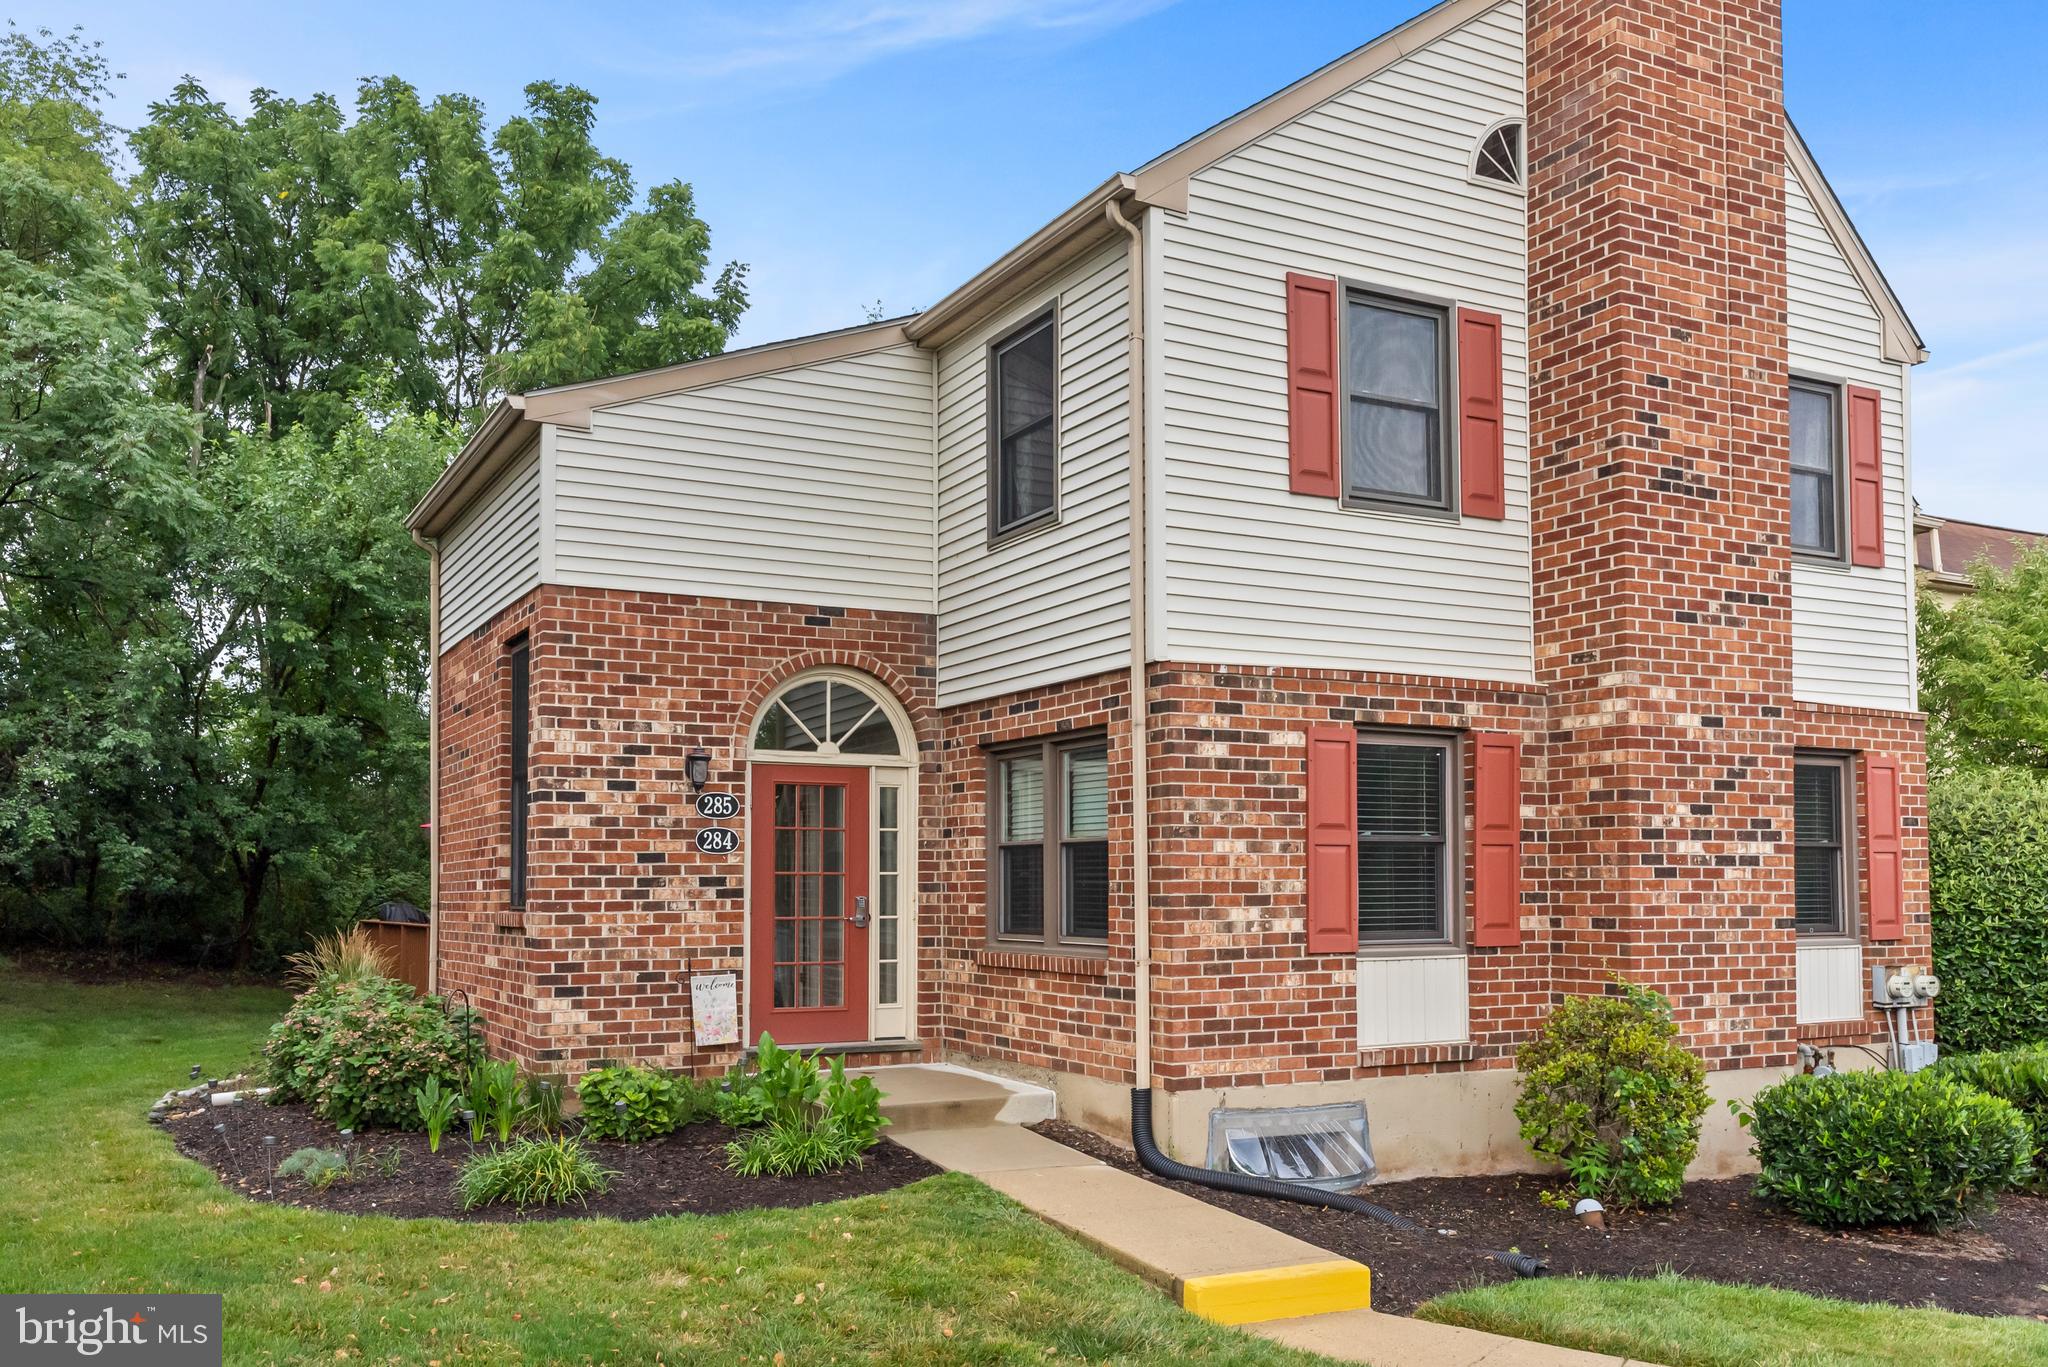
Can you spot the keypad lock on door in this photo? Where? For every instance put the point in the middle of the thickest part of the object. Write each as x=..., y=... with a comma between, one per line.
x=860, y=913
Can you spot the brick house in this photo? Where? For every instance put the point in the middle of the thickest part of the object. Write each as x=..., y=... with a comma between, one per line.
x=1486, y=457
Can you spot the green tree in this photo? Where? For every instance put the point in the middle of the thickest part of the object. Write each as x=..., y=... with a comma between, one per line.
x=1984, y=670
x=91, y=507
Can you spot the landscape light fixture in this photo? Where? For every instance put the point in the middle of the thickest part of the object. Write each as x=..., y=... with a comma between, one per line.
x=697, y=769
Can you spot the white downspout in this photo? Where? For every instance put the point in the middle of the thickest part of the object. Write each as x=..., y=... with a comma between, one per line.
x=432, y=546
x=1141, y=823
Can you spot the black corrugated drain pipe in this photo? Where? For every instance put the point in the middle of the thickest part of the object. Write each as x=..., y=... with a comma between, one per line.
x=1153, y=1160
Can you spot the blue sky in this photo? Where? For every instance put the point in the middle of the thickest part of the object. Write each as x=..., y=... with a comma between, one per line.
x=860, y=150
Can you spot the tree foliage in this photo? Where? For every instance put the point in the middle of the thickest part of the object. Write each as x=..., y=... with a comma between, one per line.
x=226, y=379
x=1984, y=669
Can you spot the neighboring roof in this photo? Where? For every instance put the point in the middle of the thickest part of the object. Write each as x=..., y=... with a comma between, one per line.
x=1948, y=549
x=515, y=419
x=1901, y=339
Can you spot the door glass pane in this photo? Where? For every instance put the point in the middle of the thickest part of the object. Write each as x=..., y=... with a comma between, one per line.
x=807, y=704
x=875, y=736
x=888, y=874
x=809, y=939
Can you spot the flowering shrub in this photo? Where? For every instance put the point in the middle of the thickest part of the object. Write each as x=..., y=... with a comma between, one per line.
x=357, y=1051
x=1609, y=1093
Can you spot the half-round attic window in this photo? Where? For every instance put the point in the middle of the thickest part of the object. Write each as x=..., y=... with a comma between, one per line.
x=832, y=716
x=1499, y=155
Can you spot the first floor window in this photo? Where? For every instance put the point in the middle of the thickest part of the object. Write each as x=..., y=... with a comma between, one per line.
x=1405, y=820
x=1820, y=785
x=517, y=659
x=1049, y=838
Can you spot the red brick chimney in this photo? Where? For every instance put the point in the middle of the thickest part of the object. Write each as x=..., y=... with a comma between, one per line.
x=1659, y=491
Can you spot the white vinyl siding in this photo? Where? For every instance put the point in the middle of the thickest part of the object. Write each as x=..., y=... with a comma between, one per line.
x=490, y=558
x=1371, y=187
x=806, y=485
x=1052, y=603
x=1852, y=640
x=1412, y=1000
x=1830, y=983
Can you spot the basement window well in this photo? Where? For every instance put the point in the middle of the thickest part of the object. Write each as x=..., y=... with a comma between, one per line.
x=1325, y=1147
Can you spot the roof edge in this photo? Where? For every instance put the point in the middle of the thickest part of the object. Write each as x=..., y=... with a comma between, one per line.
x=506, y=428
x=501, y=434
x=1902, y=341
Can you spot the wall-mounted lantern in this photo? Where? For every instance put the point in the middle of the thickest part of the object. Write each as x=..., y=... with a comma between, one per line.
x=697, y=769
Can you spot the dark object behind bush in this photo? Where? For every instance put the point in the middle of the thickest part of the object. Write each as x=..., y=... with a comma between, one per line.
x=1988, y=861
x=1610, y=1093
x=357, y=1051
x=2021, y=1077
x=1884, y=1148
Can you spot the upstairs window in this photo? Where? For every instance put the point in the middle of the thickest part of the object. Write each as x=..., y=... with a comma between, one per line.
x=1816, y=469
x=1397, y=447
x=1024, y=427
x=1820, y=903
x=1405, y=819
x=1499, y=155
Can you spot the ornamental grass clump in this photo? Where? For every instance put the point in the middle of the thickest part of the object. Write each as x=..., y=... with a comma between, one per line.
x=533, y=1172
x=1884, y=1148
x=811, y=1120
x=1610, y=1095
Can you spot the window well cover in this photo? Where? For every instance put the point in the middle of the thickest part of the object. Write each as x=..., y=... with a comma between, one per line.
x=1326, y=1147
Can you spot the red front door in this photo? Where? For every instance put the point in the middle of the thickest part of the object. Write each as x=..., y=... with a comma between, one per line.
x=808, y=981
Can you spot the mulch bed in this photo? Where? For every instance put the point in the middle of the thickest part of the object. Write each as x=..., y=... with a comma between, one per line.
x=1717, y=1232
x=681, y=1174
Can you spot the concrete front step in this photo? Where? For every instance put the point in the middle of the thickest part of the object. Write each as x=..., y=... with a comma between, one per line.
x=942, y=1096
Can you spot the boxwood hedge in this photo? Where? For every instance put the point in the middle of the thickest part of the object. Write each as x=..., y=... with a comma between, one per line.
x=1988, y=849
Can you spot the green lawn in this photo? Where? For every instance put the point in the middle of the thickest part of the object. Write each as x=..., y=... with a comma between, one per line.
x=1700, y=1324
x=94, y=1198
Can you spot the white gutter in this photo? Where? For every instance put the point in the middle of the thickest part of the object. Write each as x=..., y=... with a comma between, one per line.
x=1141, y=788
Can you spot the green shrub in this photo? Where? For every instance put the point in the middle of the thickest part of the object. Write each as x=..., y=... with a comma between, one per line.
x=812, y=1122
x=357, y=1051
x=1884, y=1148
x=317, y=1168
x=1988, y=864
x=655, y=1103
x=532, y=1172
x=1610, y=1094
x=2018, y=1075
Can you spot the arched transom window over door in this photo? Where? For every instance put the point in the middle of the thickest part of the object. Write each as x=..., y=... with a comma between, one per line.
x=827, y=716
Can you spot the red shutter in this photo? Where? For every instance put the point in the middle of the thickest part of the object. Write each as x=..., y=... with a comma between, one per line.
x=1866, y=477
x=1332, y=840
x=1312, y=385
x=1496, y=838
x=1884, y=908
x=1482, y=443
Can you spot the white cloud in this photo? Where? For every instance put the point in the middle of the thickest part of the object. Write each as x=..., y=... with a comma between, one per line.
x=1980, y=437
x=823, y=39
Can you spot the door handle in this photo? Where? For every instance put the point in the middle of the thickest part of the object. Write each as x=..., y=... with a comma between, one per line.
x=860, y=913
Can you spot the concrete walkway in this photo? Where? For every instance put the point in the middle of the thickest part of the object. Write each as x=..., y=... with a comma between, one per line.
x=1219, y=1264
